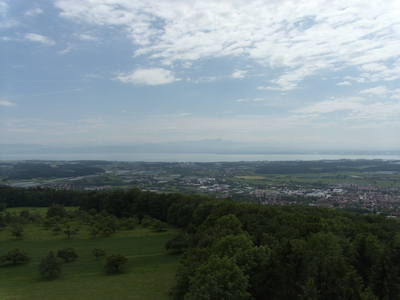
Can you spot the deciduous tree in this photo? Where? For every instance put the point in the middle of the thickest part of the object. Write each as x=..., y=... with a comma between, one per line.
x=67, y=253
x=218, y=278
x=178, y=242
x=50, y=266
x=17, y=230
x=116, y=262
x=97, y=252
x=16, y=256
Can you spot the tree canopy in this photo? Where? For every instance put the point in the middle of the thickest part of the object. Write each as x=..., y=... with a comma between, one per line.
x=50, y=266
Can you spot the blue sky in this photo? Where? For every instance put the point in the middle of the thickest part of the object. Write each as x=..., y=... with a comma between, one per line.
x=286, y=73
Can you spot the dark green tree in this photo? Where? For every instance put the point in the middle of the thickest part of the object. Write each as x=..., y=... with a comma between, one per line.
x=50, y=266
x=310, y=292
x=69, y=231
x=57, y=229
x=97, y=252
x=67, y=253
x=365, y=251
x=116, y=262
x=94, y=230
x=384, y=280
x=159, y=226
x=15, y=256
x=56, y=210
x=147, y=221
x=17, y=230
x=178, y=242
x=216, y=279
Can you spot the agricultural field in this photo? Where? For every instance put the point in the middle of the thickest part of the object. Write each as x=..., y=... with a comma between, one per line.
x=341, y=177
x=148, y=274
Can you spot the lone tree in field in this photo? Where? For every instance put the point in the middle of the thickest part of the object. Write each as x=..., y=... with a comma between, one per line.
x=67, y=253
x=99, y=252
x=69, y=231
x=50, y=266
x=15, y=256
x=17, y=231
x=115, y=262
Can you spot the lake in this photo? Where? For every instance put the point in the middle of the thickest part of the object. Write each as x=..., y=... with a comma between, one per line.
x=191, y=157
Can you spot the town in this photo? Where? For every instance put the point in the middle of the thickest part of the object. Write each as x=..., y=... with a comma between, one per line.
x=364, y=186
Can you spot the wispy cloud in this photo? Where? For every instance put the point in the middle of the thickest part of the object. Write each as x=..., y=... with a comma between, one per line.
x=355, y=108
x=153, y=76
x=239, y=74
x=33, y=12
x=66, y=50
x=344, y=83
x=33, y=37
x=88, y=37
x=7, y=103
x=379, y=90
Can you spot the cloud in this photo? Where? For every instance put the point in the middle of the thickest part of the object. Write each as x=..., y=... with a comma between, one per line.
x=354, y=108
x=344, y=83
x=7, y=103
x=66, y=50
x=206, y=79
x=239, y=74
x=33, y=12
x=33, y=37
x=5, y=20
x=300, y=38
x=329, y=106
x=88, y=37
x=396, y=94
x=153, y=76
x=379, y=90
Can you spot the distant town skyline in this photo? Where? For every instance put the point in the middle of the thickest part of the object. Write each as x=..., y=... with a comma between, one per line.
x=285, y=73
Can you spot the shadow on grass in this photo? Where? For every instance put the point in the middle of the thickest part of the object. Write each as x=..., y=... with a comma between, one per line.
x=175, y=253
x=115, y=273
x=12, y=265
x=44, y=279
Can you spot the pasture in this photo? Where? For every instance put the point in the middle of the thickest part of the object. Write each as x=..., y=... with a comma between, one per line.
x=148, y=275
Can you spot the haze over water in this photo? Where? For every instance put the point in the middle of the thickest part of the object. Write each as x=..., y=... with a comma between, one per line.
x=190, y=157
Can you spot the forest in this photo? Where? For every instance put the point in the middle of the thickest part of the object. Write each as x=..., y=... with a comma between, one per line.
x=250, y=251
x=32, y=170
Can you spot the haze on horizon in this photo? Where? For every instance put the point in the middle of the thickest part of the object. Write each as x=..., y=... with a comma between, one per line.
x=102, y=72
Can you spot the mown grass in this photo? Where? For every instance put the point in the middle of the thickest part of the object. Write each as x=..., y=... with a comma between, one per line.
x=148, y=275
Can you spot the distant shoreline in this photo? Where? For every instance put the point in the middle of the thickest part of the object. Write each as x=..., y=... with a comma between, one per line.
x=191, y=157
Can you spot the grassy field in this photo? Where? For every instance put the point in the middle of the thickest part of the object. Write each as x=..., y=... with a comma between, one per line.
x=41, y=210
x=148, y=275
x=392, y=180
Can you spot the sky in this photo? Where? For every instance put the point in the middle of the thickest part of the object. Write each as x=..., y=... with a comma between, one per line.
x=285, y=73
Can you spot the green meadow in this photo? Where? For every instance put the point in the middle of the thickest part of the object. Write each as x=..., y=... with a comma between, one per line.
x=148, y=275
x=392, y=180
